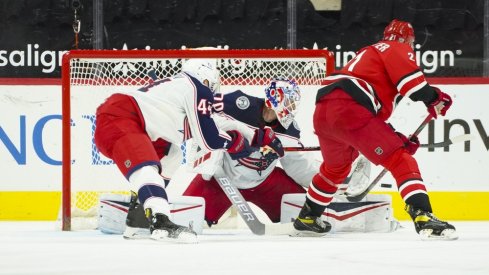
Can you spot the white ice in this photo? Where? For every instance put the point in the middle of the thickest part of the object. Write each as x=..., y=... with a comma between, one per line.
x=40, y=248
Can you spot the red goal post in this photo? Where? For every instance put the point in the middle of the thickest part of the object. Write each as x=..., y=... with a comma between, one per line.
x=89, y=76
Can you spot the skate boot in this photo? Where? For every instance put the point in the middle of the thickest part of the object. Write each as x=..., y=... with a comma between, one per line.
x=163, y=229
x=307, y=225
x=137, y=225
x=430, y=227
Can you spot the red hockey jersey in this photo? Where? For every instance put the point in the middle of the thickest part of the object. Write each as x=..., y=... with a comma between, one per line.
x=379, y=76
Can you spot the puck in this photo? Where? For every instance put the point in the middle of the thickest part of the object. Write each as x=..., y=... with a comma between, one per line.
x=385, y=185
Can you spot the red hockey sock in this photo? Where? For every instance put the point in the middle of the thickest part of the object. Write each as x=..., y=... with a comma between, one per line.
x=405, y=171
x=325, y=184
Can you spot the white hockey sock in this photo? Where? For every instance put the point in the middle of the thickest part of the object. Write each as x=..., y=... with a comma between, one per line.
x=158, y=205
x=149, y=176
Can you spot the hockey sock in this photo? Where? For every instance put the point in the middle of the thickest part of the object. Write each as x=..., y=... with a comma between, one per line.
x=151, y=191
x=405, y=171
x=323, y=187
x=154, y=197
x=315, y=209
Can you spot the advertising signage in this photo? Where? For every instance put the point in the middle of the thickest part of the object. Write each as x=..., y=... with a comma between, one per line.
x=35, y=34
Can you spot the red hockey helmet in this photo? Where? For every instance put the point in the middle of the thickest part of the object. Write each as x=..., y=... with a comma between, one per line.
x=400, y=31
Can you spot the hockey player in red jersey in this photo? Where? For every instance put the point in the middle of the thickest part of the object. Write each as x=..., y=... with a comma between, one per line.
x=350, y=117
x=139, y=131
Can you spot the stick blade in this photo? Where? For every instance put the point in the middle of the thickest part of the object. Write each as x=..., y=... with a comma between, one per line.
x=356, y=198
x=462, y=138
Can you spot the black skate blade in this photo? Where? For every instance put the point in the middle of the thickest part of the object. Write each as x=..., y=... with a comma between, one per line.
x=133, y=233
x=183, y=237
x=307, y=234
x=445, y=235
x=137, y=237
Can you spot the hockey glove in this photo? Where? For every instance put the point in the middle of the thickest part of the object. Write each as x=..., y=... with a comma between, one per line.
x=411, y=144
x=239, y=147
x=270, y=156
x=267, y=137
x=440, y=105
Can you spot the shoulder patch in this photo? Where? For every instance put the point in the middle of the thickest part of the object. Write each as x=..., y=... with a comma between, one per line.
x=242, y=102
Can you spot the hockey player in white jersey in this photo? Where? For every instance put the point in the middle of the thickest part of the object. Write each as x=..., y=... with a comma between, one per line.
x=265, y=123
x=138, y=129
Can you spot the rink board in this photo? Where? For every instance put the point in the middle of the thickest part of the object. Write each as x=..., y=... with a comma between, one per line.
x=30, y=147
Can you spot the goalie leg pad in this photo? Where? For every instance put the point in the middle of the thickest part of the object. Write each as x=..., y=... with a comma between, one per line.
x=112, y=213
x=359, y=179
x=373, y=215
x=188, y=211
x=217, y=202
x=185, y=211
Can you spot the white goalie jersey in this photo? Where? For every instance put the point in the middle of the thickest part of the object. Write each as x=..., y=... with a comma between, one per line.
x=242, y=112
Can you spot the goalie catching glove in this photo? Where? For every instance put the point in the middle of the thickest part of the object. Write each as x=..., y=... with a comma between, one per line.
x=266, y=137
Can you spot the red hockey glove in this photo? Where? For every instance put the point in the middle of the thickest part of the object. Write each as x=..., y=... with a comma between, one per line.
x=440, y=105
x=239, y=147
x=411, y=144
x=267, y=137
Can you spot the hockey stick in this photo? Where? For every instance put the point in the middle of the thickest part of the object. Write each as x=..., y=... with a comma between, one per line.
x=448, y=142
x=362, y=195
x=302, y=149
x=247, y=214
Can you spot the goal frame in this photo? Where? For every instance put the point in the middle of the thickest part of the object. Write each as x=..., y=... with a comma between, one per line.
x=66, y=214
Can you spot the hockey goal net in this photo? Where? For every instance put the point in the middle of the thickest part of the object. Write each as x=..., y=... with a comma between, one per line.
x=88, y=77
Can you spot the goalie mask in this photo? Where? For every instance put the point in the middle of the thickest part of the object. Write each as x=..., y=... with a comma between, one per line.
x=283, y=96
x=203, y=69
x=400, y=31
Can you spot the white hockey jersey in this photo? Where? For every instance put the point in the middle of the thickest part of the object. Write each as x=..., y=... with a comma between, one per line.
x=242, y=112
x=179, y=108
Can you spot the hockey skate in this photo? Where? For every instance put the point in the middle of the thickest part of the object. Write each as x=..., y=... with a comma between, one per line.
x=137, y=225
x=307, y=225
x=163, y=229
x=430, y=227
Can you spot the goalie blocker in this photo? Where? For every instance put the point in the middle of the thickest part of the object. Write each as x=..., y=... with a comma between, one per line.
x=374, y=214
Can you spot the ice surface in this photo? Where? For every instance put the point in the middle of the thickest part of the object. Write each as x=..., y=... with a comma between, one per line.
x=40, y=248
